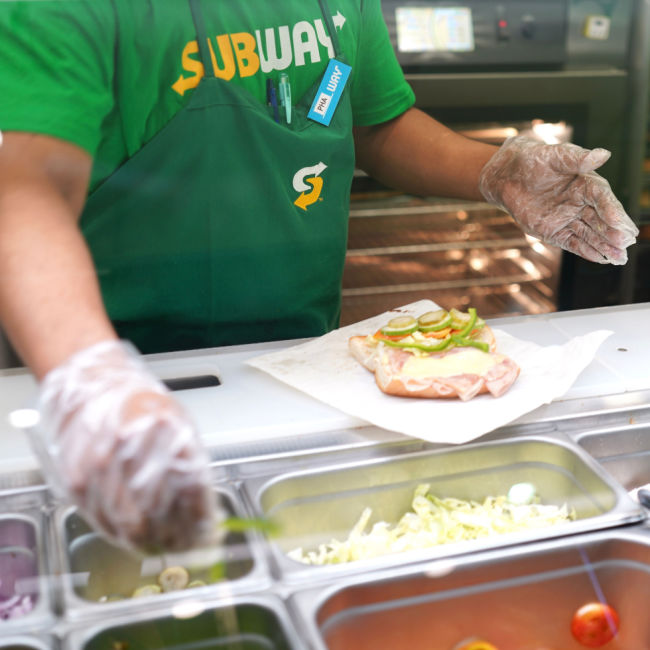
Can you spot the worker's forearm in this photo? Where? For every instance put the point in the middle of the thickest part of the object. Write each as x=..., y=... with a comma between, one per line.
x=50, y=303
x=416, y=154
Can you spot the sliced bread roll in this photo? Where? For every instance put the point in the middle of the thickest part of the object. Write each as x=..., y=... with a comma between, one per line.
x=460, y=372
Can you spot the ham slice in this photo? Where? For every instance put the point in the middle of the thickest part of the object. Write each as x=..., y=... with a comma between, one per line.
x=462, y=372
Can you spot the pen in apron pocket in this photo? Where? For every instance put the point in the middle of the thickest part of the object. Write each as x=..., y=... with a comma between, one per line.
x=272, y=99
x=285, y=95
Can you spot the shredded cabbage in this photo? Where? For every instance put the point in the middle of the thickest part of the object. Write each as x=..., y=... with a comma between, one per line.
x=435, y=521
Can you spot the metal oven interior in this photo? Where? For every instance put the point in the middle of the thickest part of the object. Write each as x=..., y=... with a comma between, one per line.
x=542, y=68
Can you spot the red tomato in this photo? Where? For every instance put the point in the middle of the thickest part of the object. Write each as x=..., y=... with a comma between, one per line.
x=594, y=624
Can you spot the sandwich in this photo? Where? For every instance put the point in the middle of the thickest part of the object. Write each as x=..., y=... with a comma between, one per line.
x=441, y=354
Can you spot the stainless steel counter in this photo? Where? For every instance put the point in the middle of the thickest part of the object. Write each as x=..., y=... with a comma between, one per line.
x=311, y=470
x=286, y=421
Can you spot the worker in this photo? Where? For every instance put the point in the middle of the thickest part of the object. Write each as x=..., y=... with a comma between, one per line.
x=175, y=174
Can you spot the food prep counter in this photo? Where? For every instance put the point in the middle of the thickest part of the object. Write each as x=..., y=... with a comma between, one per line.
x=281, y=455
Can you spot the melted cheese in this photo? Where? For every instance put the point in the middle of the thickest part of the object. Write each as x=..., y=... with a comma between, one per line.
x=468, y=361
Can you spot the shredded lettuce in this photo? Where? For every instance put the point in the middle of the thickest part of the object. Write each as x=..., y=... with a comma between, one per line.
x=435, y=521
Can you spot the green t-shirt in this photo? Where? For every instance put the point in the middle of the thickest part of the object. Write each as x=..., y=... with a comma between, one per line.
x=108, y=75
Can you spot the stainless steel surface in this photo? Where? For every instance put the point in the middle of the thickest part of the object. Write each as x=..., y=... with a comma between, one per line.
x=505, y=33
x=568, y=20
x=599, y=88
x=99, y=578
x=426, y=226
x=637, y=125
x=314, y=506
x=610, y=52
x=24, y=558
x=590, y=99
x=637, y=118
x=522, y=600
x=246, y=623
x=27, y=643
x=624, y=453
x=316, y=495
x=402, y=249
x=286, y=421
x=523, y=296
x=317, y=479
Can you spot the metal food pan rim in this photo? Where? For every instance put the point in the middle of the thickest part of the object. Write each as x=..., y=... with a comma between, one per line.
x=254, y=487
x=296, y=574
x=306, y=601
x=29, y=518
x=625, y=511
x=26, y=640
x=593, y=432
x=42, y=611
x=77, y=637
x=77, y=608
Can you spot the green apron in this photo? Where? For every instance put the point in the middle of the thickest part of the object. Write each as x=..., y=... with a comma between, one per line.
x=202, y=237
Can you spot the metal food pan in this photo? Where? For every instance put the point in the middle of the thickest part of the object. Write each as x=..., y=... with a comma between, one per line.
x=313, y=506
x=24, y=587
x=100, y=577
x=240, y=623
x=27, y=643
x=521, y=600
x=623, y=452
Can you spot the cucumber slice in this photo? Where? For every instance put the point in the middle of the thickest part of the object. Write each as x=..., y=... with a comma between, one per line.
x=434, y=346
x=434, y=321
x=400, y=326
x=459, y=319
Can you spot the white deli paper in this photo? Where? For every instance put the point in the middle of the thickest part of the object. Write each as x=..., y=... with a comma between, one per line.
x=324, y=369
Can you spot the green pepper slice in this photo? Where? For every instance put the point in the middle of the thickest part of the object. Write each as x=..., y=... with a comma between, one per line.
x=470, y=324
x=462, y=341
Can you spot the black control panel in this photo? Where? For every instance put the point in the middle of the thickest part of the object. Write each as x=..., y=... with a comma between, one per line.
x=478, y=33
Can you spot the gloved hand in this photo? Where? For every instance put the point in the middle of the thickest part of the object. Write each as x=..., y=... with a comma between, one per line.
x=115, y=441
x=554, y=194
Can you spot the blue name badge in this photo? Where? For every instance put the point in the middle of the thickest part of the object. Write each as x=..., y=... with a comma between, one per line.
x=329, y=92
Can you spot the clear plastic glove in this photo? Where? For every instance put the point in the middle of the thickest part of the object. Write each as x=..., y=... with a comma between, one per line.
x=554, y=194
x=114, y=440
